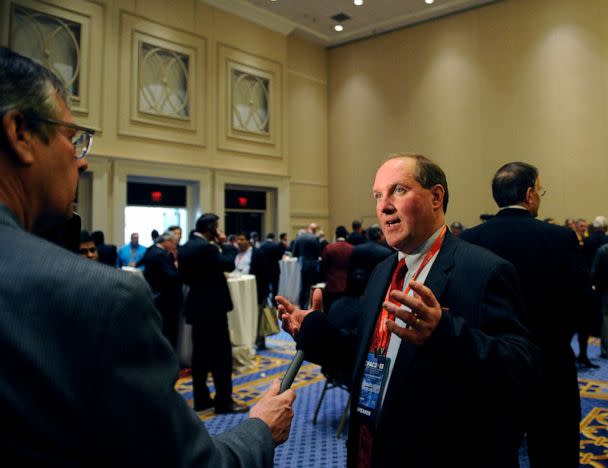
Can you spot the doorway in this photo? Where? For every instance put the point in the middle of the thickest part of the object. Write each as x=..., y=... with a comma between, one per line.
x=154, y=206
x=249, y=209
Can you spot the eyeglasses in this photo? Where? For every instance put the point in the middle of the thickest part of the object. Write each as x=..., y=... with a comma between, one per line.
x=85, y=250
x=82, y=139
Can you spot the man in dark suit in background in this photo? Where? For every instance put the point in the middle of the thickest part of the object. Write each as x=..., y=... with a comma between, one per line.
x=107, y=252
x=272, y=253
x=90, y=379
x=589, y=322
x=202, y=266
x=161, y=274
x=357, y=236
x=556, y=288
x=308, y=250
x=451, y=350
x=364, y=259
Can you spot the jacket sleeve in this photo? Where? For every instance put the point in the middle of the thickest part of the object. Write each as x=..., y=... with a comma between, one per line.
x=497, y=353
x=142, y=419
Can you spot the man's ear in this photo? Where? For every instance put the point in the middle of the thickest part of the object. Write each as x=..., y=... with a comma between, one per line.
x=438, y=192
x=528, y=198
x=18, y=137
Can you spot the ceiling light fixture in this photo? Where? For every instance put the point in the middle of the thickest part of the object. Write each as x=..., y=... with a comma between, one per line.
x=429, y=2
x=358, y=2
x=339, y=27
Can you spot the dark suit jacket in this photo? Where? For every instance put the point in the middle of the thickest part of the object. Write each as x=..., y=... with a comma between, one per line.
x=472, y=373
x=162, y=276
x=272, y=253
x=308, y=248
x=555, y=280
x=90, y=379
x=258, y=268
x=202, y=267
x=356, y=238
x=363, y=260
x=591, y=244
x=107, y=254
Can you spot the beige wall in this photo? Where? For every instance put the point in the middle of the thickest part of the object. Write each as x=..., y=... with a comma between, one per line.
x=199, y=155
x=516, y=80
x=307, y=142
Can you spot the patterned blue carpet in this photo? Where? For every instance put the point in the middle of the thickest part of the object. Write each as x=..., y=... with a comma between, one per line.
x=317, y=445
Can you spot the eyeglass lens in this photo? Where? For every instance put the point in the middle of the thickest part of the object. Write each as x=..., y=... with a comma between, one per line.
x=81, y=142
x=89, y=250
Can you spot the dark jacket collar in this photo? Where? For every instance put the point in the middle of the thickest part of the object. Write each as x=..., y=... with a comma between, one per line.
x=515, y=212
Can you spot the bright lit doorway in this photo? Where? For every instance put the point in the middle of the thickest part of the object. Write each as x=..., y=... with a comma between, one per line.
x=155, y=205
x=143, y=219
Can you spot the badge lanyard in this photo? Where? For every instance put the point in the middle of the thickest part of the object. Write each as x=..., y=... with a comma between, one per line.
x=383, y=333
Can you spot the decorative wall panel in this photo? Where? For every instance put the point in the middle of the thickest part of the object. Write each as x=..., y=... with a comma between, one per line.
x=250, y=97
x=60, y=37
x=162, y=82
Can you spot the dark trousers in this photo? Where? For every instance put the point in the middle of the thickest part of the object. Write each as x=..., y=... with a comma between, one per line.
x=170, y=315
x=309, y=277
x=553, y=431
x=212, y=352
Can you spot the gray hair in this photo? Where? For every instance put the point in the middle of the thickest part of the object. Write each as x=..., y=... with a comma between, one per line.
x=29, y=88
x=167, y=235
x=600, y=222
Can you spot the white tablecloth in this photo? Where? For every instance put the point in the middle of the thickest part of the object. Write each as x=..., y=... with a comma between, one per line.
x=242, y=321
x=290, y=281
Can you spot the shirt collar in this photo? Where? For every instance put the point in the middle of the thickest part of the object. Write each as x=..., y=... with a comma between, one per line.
x=517, y=207
x=411, y=260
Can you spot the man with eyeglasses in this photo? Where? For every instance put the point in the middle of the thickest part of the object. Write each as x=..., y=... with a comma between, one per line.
x=556, y=288
x=87, y=379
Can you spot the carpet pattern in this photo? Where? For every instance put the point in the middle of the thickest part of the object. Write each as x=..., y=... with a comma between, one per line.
x=312, y=445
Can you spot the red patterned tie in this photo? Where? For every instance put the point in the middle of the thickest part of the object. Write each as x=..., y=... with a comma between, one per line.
x=379, y=340
x=380, y=337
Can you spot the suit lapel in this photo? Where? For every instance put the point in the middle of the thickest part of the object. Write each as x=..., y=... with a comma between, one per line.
x=374, y=296
x=436, y=280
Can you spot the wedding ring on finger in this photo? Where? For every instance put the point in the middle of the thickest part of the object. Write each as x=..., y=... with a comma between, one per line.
x=416, y=322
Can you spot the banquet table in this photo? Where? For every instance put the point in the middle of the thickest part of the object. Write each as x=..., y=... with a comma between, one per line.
x=242, y=322
x=290, y=280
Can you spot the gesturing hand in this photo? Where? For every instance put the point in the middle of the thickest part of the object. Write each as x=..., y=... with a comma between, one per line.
x=423, y=318
x=292, y=317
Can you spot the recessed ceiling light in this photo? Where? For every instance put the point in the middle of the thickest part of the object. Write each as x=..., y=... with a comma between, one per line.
x=429, y=2
x=338, y=27
x=358, y=2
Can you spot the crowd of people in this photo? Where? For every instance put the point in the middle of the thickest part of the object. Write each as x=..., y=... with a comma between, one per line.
x=458, y=339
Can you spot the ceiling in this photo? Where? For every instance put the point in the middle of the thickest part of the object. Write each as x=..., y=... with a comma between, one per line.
x=312, y=20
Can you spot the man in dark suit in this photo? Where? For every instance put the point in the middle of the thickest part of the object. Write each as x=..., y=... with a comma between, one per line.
x=202, y=266
x=90, y=379
x=162, y=276
x=556, y=288
x=272, y=253
x=588, y=323
x=107, y=252
x=308, y=250
x=364, y=259
x=448, y=354
x=357, y=236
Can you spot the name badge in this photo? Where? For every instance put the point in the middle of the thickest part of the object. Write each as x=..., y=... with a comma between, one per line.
x=374, y=378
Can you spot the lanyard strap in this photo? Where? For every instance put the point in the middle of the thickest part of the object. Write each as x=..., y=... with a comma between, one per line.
x=381, y=344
